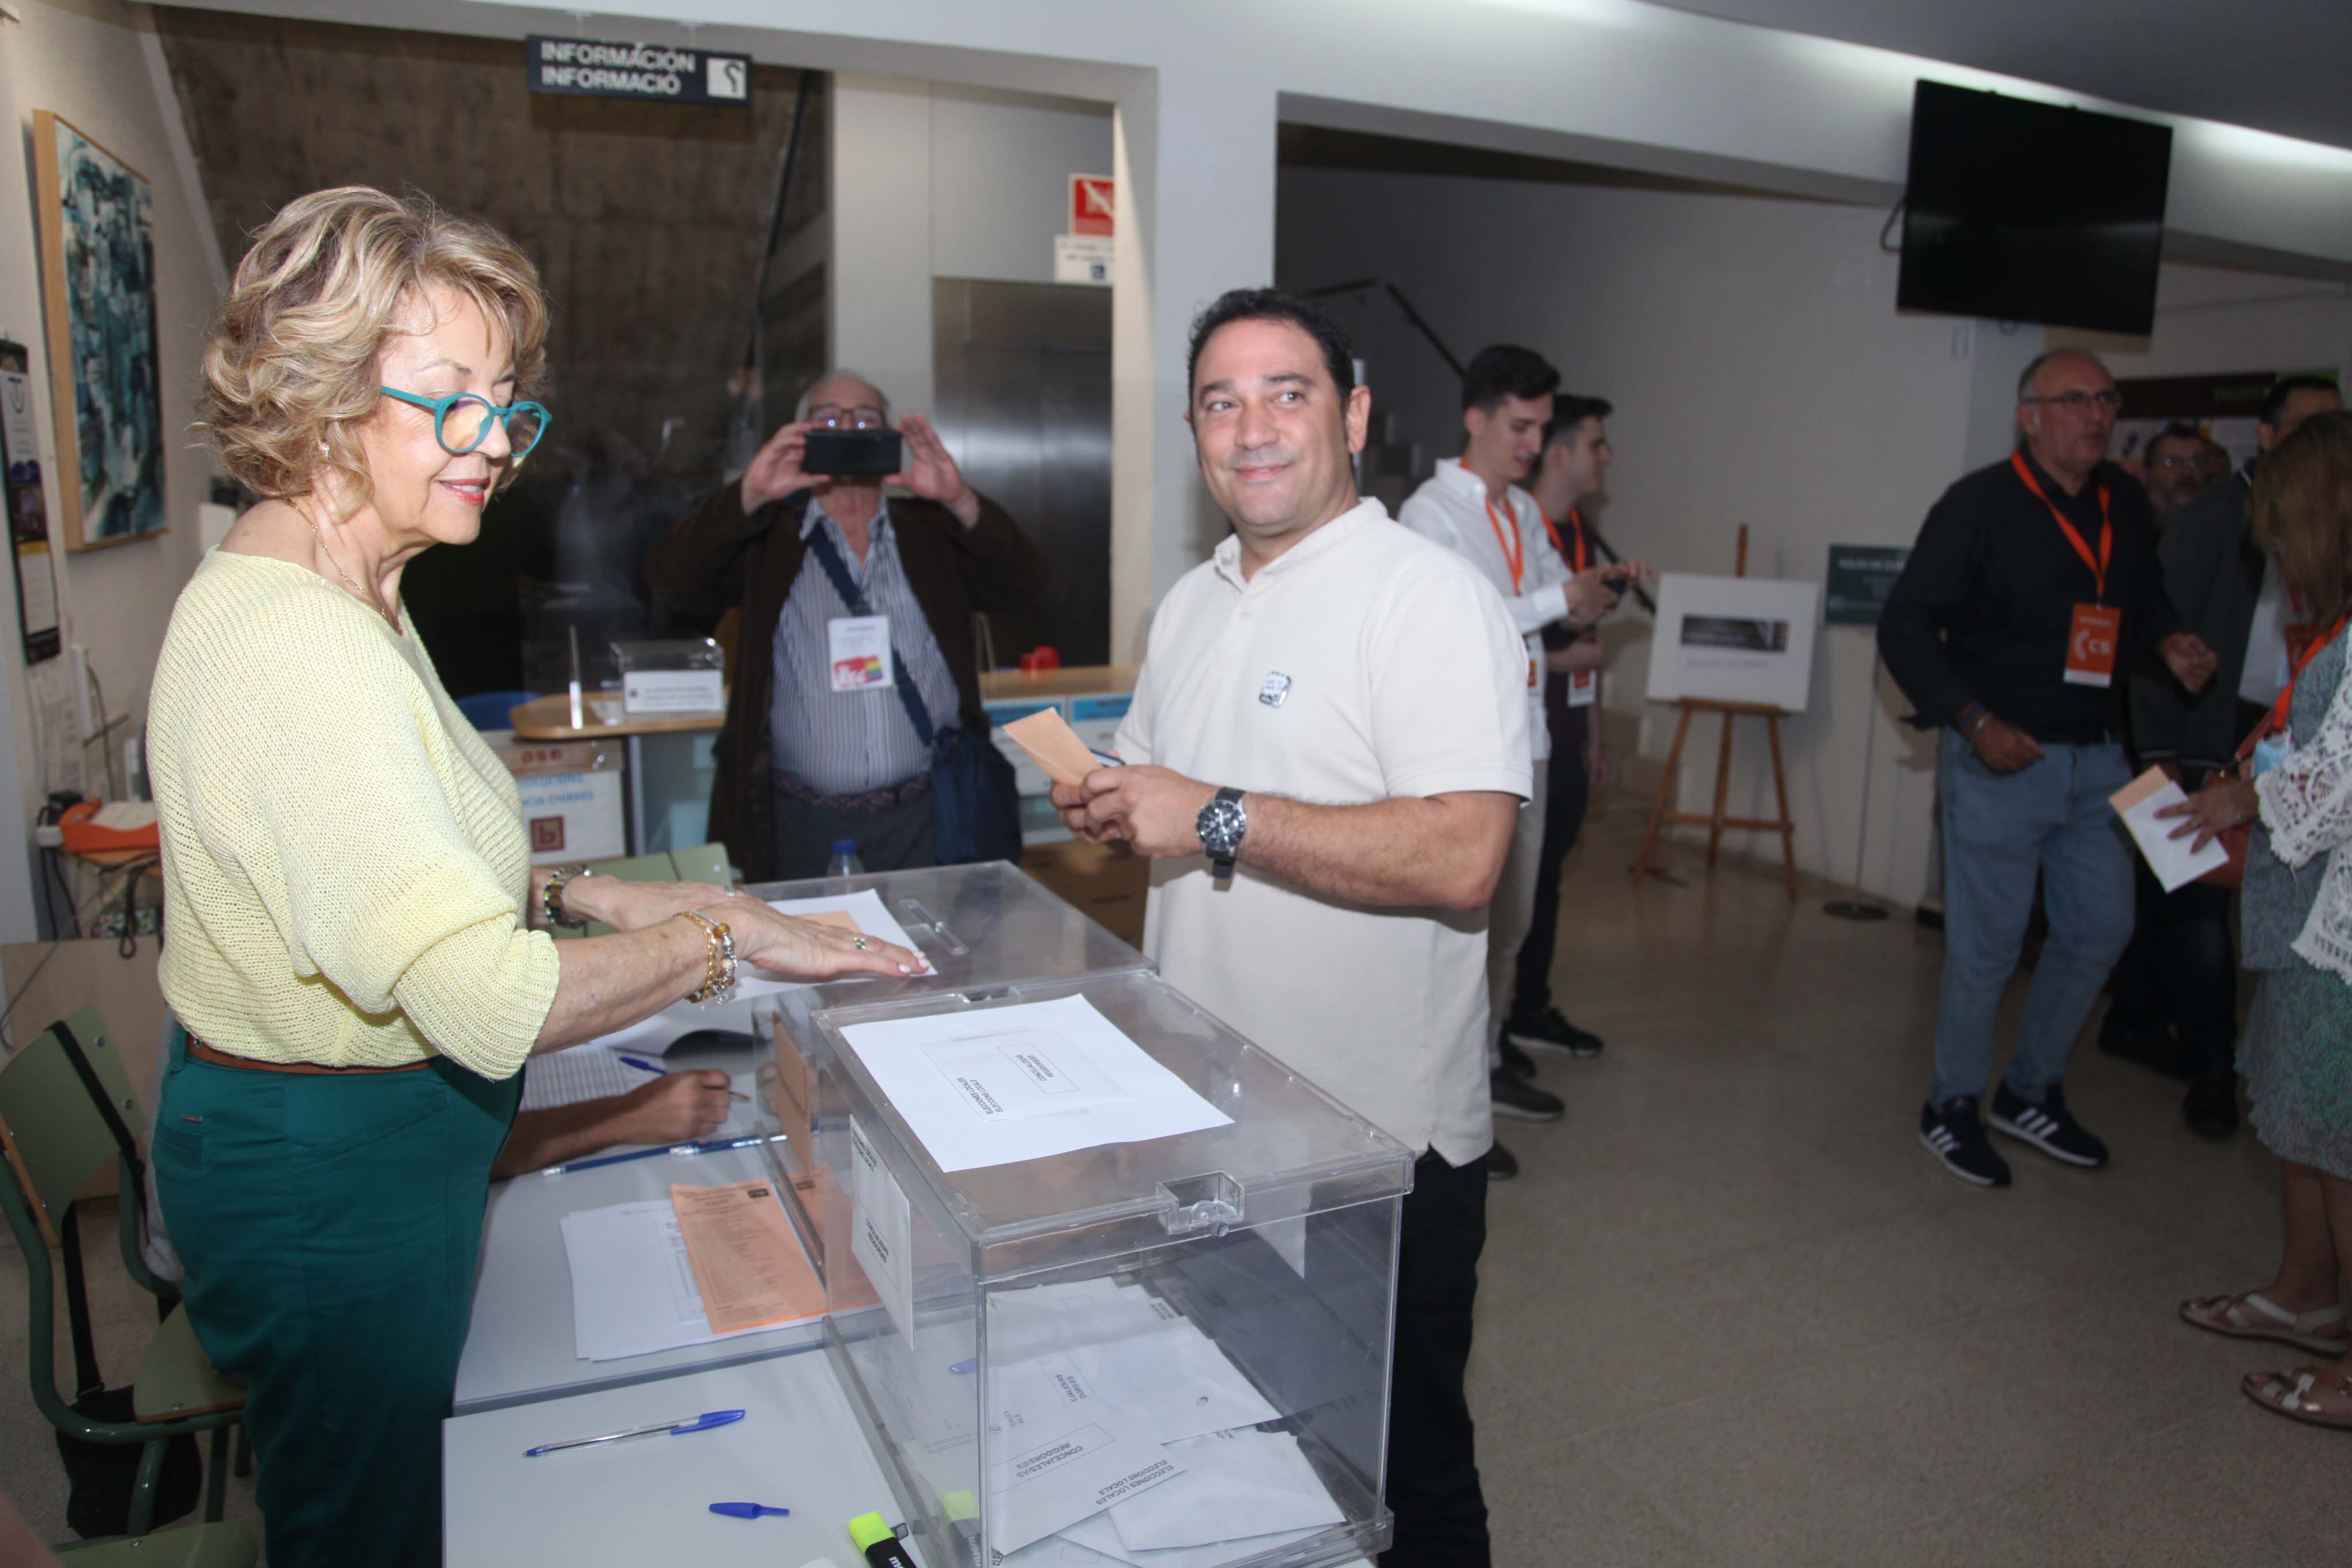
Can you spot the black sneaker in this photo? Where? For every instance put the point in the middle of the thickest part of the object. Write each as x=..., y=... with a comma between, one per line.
x=1501, y=1165
x=1515, y=1097
x=1952, y=1133
x=2047, y=1127
x=1551, y=1033
x=1516, y=1062
x=2211, y=1108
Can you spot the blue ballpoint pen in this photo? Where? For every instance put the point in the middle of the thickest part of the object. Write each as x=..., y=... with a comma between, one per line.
x=660, y=1072
x=707, y=1146
x=677, y=1429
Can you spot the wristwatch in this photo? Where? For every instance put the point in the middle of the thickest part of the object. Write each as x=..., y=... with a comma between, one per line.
x=1221, y=823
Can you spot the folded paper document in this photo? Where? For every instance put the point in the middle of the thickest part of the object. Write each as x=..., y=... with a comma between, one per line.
x=1055, y=748
x=748, y=1263
x=2176, y=865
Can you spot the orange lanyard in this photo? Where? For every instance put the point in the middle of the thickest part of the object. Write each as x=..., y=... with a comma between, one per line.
x=2099, y=564
x=1576, y=520
x=1507, y=541
x=2276, y=720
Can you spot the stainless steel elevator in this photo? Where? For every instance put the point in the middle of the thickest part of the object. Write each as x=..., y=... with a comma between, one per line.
x=1022, y=374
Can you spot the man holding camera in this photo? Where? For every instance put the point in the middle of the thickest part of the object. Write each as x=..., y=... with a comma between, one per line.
x=820, y=744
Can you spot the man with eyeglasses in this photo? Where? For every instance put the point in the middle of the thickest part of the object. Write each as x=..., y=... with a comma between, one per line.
x=819, y=746
x=2175, y=465
x=2032, y=596
x=2176, y=1004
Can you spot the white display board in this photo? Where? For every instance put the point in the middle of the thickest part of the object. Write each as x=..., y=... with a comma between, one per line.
x=1734, y=639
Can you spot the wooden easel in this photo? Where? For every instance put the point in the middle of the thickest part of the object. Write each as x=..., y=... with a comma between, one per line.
x=1717, y=821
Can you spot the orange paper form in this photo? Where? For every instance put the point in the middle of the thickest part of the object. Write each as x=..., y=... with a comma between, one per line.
x=1055, y=748
x=841, y=917
x=747, y=1262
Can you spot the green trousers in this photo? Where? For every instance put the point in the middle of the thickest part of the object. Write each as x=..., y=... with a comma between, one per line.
x=329, y=1225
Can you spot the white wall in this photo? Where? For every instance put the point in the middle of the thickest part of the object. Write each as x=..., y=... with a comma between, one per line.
x=2214, y=319
x=90, y=62
x=930, y=181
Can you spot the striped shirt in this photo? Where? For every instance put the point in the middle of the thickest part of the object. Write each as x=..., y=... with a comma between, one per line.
x=846, y=743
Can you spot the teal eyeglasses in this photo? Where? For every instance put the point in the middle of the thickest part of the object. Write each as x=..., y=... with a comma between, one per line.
x=462, y=421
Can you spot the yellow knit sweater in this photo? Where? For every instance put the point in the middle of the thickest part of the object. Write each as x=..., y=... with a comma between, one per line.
x=344, y=861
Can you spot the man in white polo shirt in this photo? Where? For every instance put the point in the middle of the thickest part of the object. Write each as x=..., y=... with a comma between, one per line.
x=1328, y=748
x=1475, y=507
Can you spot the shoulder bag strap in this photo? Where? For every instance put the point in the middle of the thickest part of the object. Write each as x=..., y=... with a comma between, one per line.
x=820, y=545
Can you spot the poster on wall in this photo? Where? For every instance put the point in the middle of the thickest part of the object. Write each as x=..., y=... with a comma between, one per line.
x=28, y=513
x=1734, y=639
x=98, y=285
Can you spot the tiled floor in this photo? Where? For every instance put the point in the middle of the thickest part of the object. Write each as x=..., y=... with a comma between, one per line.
x=1732, y=1314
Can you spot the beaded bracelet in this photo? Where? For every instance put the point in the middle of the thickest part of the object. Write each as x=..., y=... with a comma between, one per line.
x=719, y=961
x=551, y=899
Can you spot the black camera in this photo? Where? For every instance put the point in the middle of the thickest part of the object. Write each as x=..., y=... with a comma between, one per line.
x=862, y=454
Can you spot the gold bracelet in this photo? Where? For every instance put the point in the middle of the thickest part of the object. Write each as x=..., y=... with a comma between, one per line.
x=718, y=963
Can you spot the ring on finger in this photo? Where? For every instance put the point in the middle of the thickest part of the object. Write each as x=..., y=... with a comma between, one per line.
x=860, y=944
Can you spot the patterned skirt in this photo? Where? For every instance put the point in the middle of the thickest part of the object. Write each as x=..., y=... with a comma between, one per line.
x=2296, y=1056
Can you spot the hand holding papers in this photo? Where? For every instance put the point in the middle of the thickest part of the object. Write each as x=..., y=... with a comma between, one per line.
x=994, y=1085
x=2176, y=865
x=1053, y=745
x=862, y=913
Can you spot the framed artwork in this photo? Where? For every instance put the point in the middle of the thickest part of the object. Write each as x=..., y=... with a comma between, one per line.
x=98, y=285
x=1734, y=639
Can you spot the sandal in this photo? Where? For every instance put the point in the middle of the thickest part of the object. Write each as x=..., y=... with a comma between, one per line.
x=2254, y=1316
x=2319, y=1395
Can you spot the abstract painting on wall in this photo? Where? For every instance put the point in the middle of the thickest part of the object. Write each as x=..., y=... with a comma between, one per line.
x=97, y=284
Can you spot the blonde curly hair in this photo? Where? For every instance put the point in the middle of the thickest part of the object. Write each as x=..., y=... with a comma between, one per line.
x=291, y=356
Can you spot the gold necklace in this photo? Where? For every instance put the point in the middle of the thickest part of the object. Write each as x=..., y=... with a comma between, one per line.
x=370, y=600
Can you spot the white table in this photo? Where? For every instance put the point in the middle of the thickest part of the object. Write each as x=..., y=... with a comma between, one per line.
x=647, y=1501
x=519, y=1344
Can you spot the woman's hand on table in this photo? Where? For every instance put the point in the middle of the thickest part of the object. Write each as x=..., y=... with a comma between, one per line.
x=802, y=948
x=633, y=906
x=2223, y=804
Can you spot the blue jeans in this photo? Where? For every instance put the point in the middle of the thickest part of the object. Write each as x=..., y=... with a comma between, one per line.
x=1999, y=830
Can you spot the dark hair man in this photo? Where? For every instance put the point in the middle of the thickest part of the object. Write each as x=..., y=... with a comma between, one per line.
x=1326, y=754
x=821, y=741
x=2175, y=993
x=1478, y=506
x=1576, y=455
x=2032, y=589
x=2175, y=462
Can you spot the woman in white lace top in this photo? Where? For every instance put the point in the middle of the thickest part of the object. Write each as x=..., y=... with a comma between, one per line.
x=2297, y=921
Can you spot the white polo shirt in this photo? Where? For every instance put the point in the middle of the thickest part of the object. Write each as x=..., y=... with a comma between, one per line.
x=1362, y=665
x=1450, y=508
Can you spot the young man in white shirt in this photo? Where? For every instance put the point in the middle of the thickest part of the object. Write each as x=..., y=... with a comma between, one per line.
x=1325, y=757
x=1475, y=507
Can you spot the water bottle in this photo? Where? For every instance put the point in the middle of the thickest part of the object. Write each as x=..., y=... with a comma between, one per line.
x=844, y=861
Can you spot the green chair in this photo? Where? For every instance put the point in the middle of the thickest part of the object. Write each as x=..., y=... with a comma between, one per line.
x=703, y=863
x=56, y=1136
x=193, y=1546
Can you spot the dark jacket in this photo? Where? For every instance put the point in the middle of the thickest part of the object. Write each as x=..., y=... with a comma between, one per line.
x=2213, y=572
x=1985, y=606
x=715, y=557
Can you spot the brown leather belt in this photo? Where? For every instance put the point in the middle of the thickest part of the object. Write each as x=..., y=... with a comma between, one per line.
x=205, y=1053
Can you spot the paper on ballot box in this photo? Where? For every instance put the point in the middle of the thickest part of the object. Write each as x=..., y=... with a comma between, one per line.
x=2176, y=865
x=975, y=1100
x=862, y=911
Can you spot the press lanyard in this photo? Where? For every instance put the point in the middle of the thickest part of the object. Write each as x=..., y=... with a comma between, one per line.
x=1507, y=541
x=2276, y=720
x=2097, y=565
x=1576, y=520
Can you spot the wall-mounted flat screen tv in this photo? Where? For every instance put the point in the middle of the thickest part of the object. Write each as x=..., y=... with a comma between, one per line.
x=2027, y=211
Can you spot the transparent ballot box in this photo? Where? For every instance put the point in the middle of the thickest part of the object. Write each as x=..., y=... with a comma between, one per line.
x=1107, y=1281
x=978, y=926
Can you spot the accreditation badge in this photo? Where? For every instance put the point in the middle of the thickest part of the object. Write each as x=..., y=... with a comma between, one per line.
x=2091, y=644
x=859, y=650
x=1583, y=687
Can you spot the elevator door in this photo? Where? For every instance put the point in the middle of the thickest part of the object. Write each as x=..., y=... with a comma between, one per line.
x=1022, y=376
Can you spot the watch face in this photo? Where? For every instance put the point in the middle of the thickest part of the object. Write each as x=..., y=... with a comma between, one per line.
x=1221, y=822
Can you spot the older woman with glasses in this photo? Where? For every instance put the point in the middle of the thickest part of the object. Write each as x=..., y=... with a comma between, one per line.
x=358, y=954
